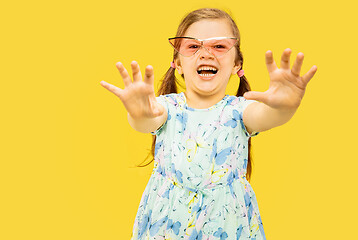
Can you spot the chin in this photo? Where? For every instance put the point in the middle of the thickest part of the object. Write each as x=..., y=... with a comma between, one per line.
x=206, y=90
x=207, y=86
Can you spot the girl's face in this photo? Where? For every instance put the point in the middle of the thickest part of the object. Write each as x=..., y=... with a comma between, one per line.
x=198, y=84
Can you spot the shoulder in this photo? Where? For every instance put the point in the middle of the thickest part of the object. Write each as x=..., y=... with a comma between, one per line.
x=239, y=103
x=173, y=99
x=170, y=96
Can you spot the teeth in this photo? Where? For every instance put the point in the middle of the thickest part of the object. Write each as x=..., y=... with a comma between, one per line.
x=206, y=75
x=207, y=68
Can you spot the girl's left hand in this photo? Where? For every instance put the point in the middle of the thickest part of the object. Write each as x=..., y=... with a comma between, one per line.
x=286, y=87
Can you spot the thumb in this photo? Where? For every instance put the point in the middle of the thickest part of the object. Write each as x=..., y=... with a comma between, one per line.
x=252, y=95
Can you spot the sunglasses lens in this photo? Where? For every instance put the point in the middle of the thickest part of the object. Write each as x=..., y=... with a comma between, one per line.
x=219, y=47
x=188, y=47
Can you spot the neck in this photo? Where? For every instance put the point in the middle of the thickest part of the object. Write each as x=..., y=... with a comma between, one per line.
x=197, y=101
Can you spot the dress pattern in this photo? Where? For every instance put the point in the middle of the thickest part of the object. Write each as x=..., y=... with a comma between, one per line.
x=198, y=189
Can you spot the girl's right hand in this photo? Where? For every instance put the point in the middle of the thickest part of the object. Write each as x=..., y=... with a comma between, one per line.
x=138, y=96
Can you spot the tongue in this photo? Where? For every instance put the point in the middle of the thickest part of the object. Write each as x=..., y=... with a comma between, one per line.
x=206, y=72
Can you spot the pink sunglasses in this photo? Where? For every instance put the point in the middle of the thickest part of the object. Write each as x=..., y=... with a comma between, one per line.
x=188, y=46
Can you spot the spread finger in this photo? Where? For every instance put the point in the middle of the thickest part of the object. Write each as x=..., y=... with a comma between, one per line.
x=125, y=76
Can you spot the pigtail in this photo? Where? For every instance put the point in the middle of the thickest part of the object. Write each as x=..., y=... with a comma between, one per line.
x=168, y=85
x=244, y=86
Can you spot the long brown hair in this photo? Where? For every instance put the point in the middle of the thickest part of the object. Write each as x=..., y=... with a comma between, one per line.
x=169, y=82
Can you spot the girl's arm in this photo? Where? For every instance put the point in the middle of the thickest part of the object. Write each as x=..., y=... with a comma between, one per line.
x=260, y=117
x=147, y=125
x=279, y=103
x=145, y=113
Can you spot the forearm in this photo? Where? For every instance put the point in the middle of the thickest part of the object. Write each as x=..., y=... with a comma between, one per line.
x=147, y=125
x=263, y=117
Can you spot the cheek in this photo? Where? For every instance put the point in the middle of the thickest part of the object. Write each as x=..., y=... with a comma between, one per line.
x=188, y=68
x=228, y=65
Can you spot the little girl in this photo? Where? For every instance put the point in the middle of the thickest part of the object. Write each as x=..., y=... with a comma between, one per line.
x=199, y=188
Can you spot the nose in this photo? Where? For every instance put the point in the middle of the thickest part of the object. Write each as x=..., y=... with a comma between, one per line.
x=205, y=53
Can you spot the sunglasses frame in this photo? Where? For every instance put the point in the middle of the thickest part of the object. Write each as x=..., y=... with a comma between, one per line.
x=202, y=44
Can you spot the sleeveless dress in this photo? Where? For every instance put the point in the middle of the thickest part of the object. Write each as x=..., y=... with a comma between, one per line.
x=198, y=189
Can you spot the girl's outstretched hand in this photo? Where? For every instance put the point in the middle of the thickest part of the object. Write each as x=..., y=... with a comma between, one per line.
x=138, y=96
x=286, y=87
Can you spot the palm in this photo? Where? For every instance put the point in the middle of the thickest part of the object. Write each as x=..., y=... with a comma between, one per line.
x=287, y=87
x=138, y=96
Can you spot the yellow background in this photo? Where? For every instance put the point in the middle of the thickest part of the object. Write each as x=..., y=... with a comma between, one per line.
x=68, y=153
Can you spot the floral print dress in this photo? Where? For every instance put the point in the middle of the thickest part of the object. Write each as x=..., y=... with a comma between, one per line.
x=198, y=189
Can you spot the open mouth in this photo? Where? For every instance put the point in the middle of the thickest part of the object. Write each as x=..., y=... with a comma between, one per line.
x=207, y=71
